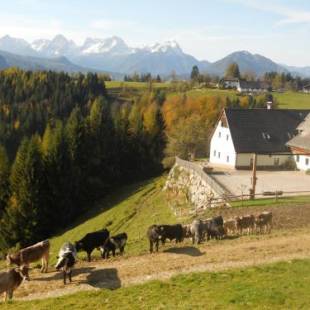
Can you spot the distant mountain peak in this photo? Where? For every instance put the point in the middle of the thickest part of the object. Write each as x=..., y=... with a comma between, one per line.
x=112, y=44
x=165, y=47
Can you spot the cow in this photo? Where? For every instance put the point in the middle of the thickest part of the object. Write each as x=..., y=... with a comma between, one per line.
x=246, y=222
x=186, y=231
x=230, y=226
x=66, y=260
x=215, y=228
x=92, y=241
x=153, y=234
x=263, y=222
x=196, y=231
x=10, y=280
x=31, y=254
x=171, y=232
x=112, y=244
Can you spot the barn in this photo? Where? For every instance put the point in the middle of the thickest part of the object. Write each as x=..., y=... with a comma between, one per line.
x=279, y=138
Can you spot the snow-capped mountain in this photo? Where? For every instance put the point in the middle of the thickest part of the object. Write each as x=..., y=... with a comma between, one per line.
x=40, y=45
x=59, y=46
x=165, y=47
x=16, y=46
x=114, y=55
x=113, y=45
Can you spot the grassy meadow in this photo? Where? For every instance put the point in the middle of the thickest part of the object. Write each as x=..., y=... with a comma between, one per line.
x=277, y=286
x=131, y=209
x=286, y=100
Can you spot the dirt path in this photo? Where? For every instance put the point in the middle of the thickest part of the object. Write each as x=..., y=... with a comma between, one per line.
x=213, y=256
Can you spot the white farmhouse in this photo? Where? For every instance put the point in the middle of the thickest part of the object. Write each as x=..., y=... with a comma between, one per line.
x=240, y=133
x=300, y=145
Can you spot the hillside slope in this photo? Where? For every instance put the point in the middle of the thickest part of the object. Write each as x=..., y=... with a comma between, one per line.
x=131, y=209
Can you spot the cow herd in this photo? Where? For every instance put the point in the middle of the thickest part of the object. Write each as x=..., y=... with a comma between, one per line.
x=199, y=230
x=211, y=228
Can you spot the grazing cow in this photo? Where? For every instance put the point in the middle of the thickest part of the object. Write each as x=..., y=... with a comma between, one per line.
x=230, y=226
x=215, y=228
x=114, y=243
x=153, y=234
x=187, y=231
x=196, y=231
x=92, y=241
x=171, y=232
x=31, y=254
x=246, y=222
x=11, y=280
x=264, y=222
x=66, y=260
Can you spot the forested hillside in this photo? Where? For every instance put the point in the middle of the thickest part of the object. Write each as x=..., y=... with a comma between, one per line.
x=63, y=145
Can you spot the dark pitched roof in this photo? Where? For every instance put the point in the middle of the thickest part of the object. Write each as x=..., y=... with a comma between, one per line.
x=253, y=85
x=263, y=131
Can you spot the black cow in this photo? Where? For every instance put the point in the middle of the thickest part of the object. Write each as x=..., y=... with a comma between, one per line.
x=171, y=232
x=215, y=228
x=114, y=243
x=153, y=234
x=66, y=260
x=92, y=241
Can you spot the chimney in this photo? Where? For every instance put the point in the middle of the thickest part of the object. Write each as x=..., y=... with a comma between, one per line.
x=269, y=105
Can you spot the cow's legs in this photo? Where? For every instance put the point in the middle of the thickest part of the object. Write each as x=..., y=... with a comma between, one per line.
x=157, y=244
x=151, y=246
x=65, y=276
x=121, y=250
x=70, y=275
x=88, y=256
x=113, y=252
x=10, y=294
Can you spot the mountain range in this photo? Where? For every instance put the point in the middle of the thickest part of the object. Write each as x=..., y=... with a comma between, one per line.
x=114, y=56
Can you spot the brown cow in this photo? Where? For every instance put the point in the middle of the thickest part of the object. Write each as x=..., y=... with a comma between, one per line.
x=264, y=222
x=230, y=226
x=11, y=280
x=31, y=254
x=246, y=222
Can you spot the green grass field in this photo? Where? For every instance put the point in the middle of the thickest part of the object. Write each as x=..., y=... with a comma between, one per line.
x=137, y=85
x=264, y=202
x=293, y=100
x=277, y=286
x=286, y=100
x=131, y=209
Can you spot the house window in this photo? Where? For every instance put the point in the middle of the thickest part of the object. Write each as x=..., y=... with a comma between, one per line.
x=219, y=154
x=227, y=159
x=214, y=153
x=227, y=137
x=307, y=161
x=220, y=134
x=297, y=158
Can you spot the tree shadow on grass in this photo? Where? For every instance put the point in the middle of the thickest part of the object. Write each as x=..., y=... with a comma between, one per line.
x=104, y=278
x=187, y=250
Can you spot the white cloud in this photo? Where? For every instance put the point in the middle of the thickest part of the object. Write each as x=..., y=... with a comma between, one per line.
x=288, y=14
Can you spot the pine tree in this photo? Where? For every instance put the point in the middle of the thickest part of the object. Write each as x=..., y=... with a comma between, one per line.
x=4, y=179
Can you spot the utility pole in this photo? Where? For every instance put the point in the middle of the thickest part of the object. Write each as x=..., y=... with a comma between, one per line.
x=254, y=178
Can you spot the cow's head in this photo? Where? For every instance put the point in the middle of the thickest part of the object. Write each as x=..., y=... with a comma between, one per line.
x=24, y=272
x=9, y=260
x=78, y=245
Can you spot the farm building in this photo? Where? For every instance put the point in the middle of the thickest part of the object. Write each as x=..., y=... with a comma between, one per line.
x=306, y=89
x=300, y=145
x=243, y=86
x=252, y=87
x=280, y=138
x=229, y=83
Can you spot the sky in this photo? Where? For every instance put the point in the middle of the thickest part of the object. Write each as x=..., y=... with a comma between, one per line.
x=206, y=29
